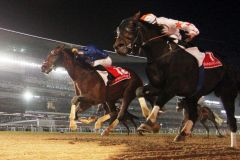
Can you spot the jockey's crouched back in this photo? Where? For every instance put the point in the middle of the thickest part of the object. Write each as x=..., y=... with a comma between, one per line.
x=99, y=59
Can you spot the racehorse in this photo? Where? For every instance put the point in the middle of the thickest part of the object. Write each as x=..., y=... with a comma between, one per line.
x=174, y=72
x=90, y=88
x=204, y=114
x=127, y=117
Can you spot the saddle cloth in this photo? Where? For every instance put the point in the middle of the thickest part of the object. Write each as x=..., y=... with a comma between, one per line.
x=119, y=73
x=207, y=59
x=210, y=61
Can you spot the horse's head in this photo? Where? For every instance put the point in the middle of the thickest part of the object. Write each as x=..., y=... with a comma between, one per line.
x=53, y=59
x=127, y=35
x=133, y=34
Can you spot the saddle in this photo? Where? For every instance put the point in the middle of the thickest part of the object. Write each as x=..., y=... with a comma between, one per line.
x=112, y=74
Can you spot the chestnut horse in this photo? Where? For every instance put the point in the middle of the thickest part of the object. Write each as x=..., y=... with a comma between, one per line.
x=90, y=88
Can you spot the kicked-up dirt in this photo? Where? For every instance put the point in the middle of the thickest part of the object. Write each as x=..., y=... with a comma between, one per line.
x=71, y=146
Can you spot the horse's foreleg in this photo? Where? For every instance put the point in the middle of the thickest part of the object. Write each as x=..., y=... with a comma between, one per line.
x=125, y=124
x=145, y=110
x=203, y=122
x=228, y=103
x=193, y=116
x=151, y=124
x=73, y=125
x=100, y=121
x=110, y=127
x=216, y=126
x=216, y=120
x=114, y=123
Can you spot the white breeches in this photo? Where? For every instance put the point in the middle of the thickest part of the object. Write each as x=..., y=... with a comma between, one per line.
x=104, y=62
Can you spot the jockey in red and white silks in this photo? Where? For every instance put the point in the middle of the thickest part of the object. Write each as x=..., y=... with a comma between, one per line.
x=172, y=27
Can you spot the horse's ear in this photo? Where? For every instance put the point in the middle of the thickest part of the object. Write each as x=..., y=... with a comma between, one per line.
x=136, y=17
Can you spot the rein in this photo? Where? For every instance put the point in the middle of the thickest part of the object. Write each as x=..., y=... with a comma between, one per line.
x=151, y=39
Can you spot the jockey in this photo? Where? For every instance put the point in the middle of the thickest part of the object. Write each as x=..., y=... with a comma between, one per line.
x=173, y=27
x=95, y=57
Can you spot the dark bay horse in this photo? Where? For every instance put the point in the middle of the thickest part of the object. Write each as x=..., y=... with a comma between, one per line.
x=90, y=88
x=174, y=72
x=204, y=114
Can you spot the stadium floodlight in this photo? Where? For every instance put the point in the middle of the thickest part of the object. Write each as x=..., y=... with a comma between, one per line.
x=60, y=70
x=22, y=50
x=5, y=59
x=238, y=117
x=28, y=95
x=212, y=102
x=223, y=111
x=11, y=60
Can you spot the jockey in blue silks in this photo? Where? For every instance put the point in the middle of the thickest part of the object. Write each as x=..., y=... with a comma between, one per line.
x=99, y=59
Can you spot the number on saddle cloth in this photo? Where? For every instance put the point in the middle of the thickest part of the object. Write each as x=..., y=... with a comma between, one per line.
x=115, y=74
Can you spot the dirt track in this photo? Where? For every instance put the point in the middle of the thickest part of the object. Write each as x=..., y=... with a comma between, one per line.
x=57, y=146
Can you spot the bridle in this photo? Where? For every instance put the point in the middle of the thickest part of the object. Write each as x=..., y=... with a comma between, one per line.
x=139, y=41
x=56, y=55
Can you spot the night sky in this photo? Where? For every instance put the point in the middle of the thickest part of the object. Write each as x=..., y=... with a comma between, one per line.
x=94, y=21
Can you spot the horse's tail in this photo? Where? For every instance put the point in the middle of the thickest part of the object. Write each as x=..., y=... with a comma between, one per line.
x=218, y=119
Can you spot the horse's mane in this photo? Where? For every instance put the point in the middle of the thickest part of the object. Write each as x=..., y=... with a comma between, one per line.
x=157, y=28
x=82, y=63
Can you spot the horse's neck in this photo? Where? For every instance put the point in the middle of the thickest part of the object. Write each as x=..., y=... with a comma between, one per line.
x=155, y=47
x=71, y=66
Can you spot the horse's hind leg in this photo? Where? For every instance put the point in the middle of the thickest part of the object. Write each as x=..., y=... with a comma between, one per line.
x=212, y=119
x=203, y=122
x=228, y=96
x=193, y=116
x=216, y=126
x=128, y=96
x=125, y=124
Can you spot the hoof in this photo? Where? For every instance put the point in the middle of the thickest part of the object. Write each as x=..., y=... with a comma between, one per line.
x=156, y=128
x=140, y=133
x=144, y=128
x=73, y=125
x=98, y=125
x=105, y=133
x=220, y=136
x=149, y=127
x=179, y=138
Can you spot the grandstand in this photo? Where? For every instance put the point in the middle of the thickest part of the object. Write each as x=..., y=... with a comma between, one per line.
x=32, y=101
